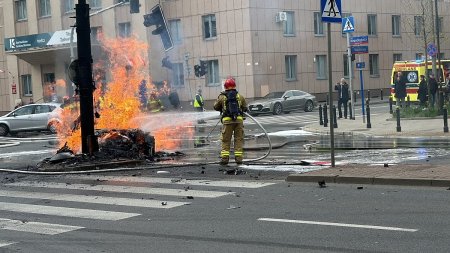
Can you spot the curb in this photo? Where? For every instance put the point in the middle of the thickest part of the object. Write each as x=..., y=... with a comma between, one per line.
x=370, y=180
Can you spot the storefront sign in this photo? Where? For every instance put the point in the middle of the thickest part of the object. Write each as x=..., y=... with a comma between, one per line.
x=40, y=40
x=14, y=88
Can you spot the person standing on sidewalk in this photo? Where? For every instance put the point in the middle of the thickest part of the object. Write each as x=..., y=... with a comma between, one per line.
x=423, y=91
x=433, y=85
x=400, y=89
x=198, y=101
x=342, y=90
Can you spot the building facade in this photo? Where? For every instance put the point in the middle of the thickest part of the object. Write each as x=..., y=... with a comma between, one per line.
x=266, y=45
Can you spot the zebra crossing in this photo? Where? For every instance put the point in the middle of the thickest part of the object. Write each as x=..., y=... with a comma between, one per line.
x=286, y=119
x=92, y=190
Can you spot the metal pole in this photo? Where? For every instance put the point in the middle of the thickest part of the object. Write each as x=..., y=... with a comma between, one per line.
x=350, y=74
x=320, y=115
x=330, y=90
x=399, y=128
x=438, y=34
x=369, y=125
x=335, y=125
x=362, y=95
x=390, y=106
x=445, y=120
x=89, y=143
x=325, y=115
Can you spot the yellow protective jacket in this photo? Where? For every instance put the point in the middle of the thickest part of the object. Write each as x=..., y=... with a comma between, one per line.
x=220, y=105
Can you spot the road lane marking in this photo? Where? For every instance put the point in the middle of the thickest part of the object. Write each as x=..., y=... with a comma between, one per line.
x=36, y=227
x=219, y=183
x=148, y=203
x=5, y=243
x=339, y=224
x=65, y=211
x=125, y=189
x=25, y=153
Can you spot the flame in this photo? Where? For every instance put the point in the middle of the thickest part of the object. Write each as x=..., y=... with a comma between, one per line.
x=117, y=101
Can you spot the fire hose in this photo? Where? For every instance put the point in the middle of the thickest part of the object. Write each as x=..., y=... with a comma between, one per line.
x=146, y=167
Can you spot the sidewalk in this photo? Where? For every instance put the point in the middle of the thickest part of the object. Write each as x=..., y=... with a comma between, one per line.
x=399, y=174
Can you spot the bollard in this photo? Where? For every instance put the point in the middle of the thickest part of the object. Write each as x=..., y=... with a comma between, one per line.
x=441, y=101
x=408, y=101
x=444, y=110
x=334, y=117
x=381, y=94
x=328, y=99
x=368, y=95
x=399, y=128
x=320, y=115
x=369, y=125
x=354, y=97
x=350, y=110
x=390, y=106
x=325, y=115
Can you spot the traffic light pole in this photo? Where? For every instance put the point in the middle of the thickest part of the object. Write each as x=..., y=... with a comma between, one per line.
x=89, y=142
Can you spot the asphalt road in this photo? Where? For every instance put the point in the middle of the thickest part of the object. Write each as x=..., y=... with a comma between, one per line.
x=97, y=214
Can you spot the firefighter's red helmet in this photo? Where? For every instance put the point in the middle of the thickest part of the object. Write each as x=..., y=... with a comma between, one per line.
x=229, y=84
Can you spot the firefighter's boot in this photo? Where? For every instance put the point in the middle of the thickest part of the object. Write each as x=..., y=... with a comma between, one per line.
x=224, y=160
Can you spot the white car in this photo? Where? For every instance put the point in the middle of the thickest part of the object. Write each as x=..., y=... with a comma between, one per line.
x=31, y=117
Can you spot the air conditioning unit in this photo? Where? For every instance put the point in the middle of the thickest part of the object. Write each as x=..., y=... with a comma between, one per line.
x=280, y=17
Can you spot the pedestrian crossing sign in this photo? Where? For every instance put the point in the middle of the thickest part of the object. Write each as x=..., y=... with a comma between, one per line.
x=348, y=25
x=331, y=11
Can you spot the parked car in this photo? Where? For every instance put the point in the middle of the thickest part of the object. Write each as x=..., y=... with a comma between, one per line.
x=283, y=102
x=32, y=117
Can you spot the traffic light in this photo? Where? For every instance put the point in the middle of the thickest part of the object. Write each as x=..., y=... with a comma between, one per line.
x=166, y=63
x=197, y=70
x=203, y=68
x=156, y=18
x=134, y=6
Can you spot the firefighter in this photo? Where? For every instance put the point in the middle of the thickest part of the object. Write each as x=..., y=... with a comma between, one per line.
x=232, y=106
x=154, y=104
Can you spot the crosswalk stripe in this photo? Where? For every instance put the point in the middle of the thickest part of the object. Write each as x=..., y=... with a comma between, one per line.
x=36, y=227
x=65, y=211
x=218, y=183
x=5, y=243
x=125, y=189
x=149, y=203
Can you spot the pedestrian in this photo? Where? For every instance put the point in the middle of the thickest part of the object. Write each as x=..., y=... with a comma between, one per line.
x=433, y=86
x=174, y=99
x=343, y=97
x=423, y=91
x=232, y=106
x=198, y=101
x=400, y=89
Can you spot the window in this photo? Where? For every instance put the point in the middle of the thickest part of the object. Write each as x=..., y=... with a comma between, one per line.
x=69, y=6
x=419, y=56
x=418, y=25
x=372, y=24
x=291, y=67
x=41, y=109
x=345, y=64
x=374, y=68
x=49, y=77
x=95, y=32
x=321, y=64
x=27, y=110
x=21, y=10
x=288, y=25
x=175, y=30
x=178, y=75
x=124, y=29
x=397, y=57
x=95, y=3
x=44, y=8
x=27, y=89
x=209, y=26
x=213, y=73
x=396, y=25
x=318, y=24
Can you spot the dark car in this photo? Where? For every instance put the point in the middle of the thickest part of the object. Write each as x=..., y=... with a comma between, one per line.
x=32, y=117
x=283, y=102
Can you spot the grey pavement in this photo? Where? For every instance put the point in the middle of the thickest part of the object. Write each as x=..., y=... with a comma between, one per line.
x=382, y=124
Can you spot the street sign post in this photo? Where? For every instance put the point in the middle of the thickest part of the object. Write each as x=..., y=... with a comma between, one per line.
x=431, y=50
x=348, y=26
x=331, y=13
x=359, y=40
x=360, y=49
x=360, y=65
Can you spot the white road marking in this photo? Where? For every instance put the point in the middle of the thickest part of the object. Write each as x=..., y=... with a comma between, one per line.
x=65, y=211
x=339, y=224
x=149, y=203
x=219, y=183
x=5, y=243
x=125, y=189
x=25, y=153
x=36, y=227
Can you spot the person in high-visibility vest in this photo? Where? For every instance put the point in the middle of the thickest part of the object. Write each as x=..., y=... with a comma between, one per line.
x=232, y=106
x=198, y=101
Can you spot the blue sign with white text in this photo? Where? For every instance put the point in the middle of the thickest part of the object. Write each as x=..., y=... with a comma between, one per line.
x=359, y=40
x=360, y=65
x=331, y=11
x=360, y=49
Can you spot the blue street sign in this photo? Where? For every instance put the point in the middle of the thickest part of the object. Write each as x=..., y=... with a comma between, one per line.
x=360, y=65
x=331, y=11
x=359, y=40
x=360, y=49
x=348, y=25
x=431, y=50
